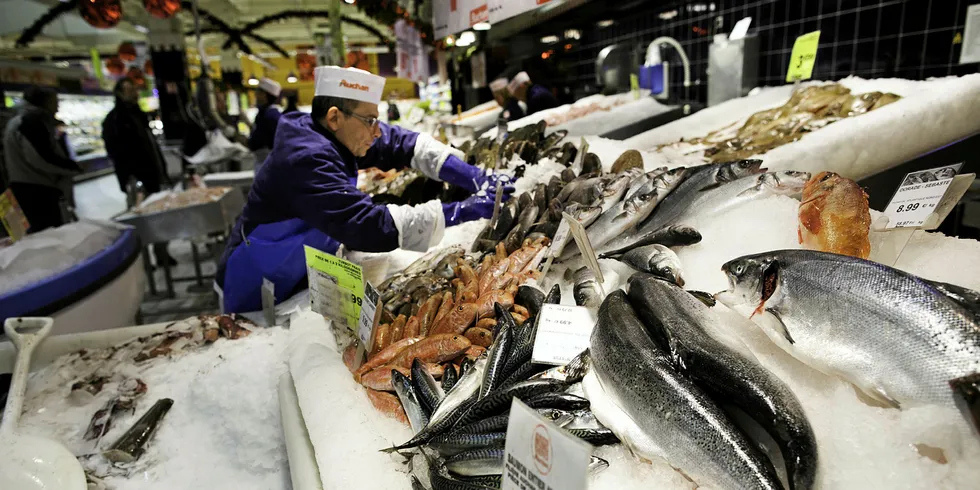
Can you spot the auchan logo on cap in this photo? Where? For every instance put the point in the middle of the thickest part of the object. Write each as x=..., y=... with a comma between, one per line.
x=355, y=86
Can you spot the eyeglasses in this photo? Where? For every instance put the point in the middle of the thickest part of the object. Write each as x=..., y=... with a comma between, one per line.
x=371, y=122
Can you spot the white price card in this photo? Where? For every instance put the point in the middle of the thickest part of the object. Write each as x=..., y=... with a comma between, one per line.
x=741, y=29
x=561, y=237
x=585, y=246
x=365, y=324
x=563, y=333
x=918, y=196
x=540, y=456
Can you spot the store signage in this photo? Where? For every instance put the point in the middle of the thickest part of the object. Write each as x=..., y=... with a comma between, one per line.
x=369, y=307
x=584, y=245
x=563, y=333
x=480, y=14
x=12, y=216
x=921, y=194
x=803, y=57
x=505, y=9
x=539, y=455
x=336, y=287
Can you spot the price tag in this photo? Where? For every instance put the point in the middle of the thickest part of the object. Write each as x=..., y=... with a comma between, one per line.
x=563, y=333
x=584, y=245
x=918, y=196
x=12, y=216
x=803, y=57
x=365, y=323
x=336, y=287
x=540, y=456
x=583, y=149
x=635, y=86
x=269, y=302
x=561, y=237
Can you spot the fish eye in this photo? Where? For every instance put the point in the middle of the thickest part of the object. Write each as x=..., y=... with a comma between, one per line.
x=738, y=269
x=827, y=177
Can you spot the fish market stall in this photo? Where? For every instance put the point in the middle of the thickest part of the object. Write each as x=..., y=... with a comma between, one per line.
x=928, y=115
x=594, y=114
x=702, y=228
x=86, y=275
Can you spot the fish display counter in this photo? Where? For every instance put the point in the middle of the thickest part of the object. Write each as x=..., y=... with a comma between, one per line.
x=733, y=315
x=897, y=120
x=595, y=114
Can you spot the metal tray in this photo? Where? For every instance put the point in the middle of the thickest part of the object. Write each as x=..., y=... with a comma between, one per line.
x=188, y=221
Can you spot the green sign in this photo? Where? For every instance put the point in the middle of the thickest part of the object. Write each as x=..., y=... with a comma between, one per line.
x=336, y=287
x=803, y=57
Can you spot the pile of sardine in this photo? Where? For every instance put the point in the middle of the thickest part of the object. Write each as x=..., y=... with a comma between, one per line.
x=460, y=424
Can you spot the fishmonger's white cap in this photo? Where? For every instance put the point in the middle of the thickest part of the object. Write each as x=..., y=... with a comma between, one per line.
x=270, y=87
x=348, y=83
x=518, y=80
x=498, y=85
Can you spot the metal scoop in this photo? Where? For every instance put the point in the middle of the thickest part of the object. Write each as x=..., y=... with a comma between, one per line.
x=30, y=462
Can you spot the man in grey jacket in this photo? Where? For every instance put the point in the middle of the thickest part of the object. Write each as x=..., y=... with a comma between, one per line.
x=37, y=161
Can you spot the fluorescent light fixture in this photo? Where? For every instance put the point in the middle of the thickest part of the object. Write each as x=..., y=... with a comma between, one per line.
x=549, y=39
x=291, y=78
x=253, y=81
x=466, y=38
x=573, y=34
x=605, y=23
x=481, y=26
x=142, y=29
x=350, y=2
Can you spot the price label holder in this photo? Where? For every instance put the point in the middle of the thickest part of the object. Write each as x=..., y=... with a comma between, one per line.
x=584, y=246
x=563, y=333
x=635, y=85
x=539, y=455
x=583, y=148
x=12, y=216
x=336, y=287
x=269, y=302
x=557, y=245
x=367, y=321
x=922, y=202
x=803, y=57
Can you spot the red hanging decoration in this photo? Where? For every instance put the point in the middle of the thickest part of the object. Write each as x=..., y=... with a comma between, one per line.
x=115, y=66
x=305, y=63
x=136, y=75
x=148, y=68
x=161, y=9
x=127, y=52
x=102, y=14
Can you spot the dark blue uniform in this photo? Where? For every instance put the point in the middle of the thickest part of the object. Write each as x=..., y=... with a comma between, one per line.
x=264, y=132
x=306, y=194
x=539, y=99
x=512, y=110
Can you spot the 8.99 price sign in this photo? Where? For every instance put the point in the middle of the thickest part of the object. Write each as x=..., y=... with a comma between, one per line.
x=918, y=196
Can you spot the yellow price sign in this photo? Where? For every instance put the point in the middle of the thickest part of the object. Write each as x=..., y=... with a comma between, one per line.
x=336, y=287
x=635, y=85
x=803, y=57
x=12, y=216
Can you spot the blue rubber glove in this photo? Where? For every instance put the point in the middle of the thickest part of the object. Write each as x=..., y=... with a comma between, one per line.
x=473, y=179
x=473, y=208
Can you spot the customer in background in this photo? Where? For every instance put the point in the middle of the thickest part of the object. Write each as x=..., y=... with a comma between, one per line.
x=37, y=161
x=512, y=109
x=537, y=97
x=134, y=151
x=292, y=102
x=266, y=120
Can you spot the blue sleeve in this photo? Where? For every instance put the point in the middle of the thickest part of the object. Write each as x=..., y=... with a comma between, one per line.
x=263, y=135
x=394, y=149
x=320, y=194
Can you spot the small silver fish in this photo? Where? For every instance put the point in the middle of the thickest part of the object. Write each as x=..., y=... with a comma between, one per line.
x=587, y=291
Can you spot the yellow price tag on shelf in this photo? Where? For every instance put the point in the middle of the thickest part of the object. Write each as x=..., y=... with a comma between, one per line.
x=12, y=216
x=803, y=57
x=336, y=287
x=635, y=85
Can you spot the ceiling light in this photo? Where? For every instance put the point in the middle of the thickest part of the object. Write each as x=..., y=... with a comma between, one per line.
x=573, y=34
x=605, y=23
x=450, y=40
x=466, y=38
x=252, y=80
x=350, y=2
x=481, y=26
x=291, y=78
x=549, y=39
